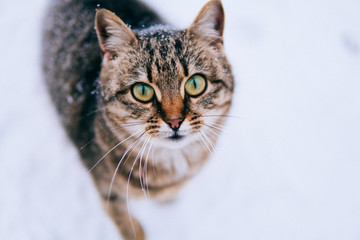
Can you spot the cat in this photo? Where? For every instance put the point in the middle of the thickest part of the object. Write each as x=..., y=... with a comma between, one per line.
x=144, y=105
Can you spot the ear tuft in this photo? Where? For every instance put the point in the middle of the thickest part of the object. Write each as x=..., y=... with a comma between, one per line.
x=209, y=23
x=113, y=34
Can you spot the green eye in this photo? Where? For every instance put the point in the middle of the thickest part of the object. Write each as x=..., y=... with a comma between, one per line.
x=143, y=92
x=195, y=86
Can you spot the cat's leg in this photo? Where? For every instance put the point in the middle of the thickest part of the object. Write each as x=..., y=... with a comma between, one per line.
x=116, y=204
x=130, y=229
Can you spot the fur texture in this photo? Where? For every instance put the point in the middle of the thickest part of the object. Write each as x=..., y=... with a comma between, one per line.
x=136, y=148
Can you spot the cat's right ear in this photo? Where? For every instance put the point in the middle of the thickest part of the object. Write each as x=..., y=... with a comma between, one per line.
x=112, y=33
x=209, y=23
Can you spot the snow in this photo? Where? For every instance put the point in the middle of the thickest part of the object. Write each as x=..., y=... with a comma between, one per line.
x=287, y=168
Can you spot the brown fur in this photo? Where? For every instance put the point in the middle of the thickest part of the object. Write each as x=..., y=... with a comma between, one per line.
x=134, y=151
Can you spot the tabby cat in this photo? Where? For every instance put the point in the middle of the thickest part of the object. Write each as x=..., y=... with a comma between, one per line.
x=144, y=106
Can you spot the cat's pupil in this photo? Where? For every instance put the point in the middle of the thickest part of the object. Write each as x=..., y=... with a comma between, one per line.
x=194, y=83
x=143, y=90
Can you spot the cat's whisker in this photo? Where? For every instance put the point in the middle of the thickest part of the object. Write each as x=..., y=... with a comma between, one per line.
x=145, y=170
x=91, y=113
x=121, y=142
x=128, y=182
x=118, y=165
x=222, y=115
x=220, y=130
x=216, y=124
x=206, y=145
x=113, y=129
x=213, y=127
x=209, y=141
x=116, y=170
x=212, y=131
x=134, y=123
x=142, y=184
x=152, y=157
x=138, y=156
x=142, y=174
x=127, y=158
x=212, y=142
x=86, y=144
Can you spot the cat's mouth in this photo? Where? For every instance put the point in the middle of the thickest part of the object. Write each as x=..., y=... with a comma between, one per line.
x=176, y=139
x=176, y=136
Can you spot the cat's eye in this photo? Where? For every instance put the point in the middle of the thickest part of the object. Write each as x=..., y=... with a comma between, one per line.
x=143, y=92
x=195, y=85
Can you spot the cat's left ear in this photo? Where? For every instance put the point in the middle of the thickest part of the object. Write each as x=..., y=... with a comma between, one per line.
x=209, y=23
x=113, y=34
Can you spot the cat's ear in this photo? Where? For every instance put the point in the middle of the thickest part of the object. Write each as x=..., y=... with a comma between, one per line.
x=209, y=23
x=113, y=34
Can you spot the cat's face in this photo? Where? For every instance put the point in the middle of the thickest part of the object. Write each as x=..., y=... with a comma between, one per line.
x=169, y=86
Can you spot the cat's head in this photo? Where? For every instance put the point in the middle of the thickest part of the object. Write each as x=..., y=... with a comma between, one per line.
x=173, y=86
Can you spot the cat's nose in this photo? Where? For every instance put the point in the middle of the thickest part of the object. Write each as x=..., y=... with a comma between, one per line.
x=175, y=123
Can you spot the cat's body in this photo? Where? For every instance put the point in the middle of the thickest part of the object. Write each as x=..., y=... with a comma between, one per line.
x=144, y=106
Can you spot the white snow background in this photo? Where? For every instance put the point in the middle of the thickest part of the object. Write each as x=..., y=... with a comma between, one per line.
x=288, y=168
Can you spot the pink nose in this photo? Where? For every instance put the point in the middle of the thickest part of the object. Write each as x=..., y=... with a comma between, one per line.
x=174, y=123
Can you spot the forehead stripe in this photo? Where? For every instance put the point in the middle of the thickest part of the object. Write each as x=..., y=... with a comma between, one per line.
x=179, y=54
x=148, y=72
x=185, y=66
